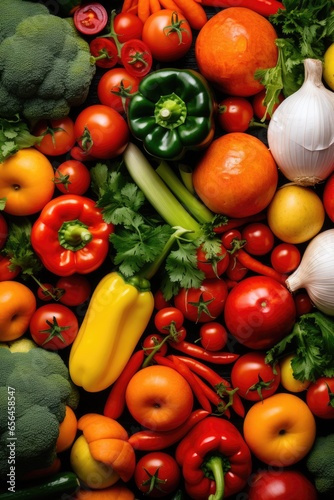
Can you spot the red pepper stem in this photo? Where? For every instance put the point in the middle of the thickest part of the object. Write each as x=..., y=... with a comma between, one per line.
x=216, y=466
x=74, y=235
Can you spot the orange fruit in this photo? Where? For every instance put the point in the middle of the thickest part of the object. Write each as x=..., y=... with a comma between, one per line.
x=231, y=46
x=67, y=430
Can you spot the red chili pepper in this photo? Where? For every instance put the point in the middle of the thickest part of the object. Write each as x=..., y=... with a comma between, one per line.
x=196, y=351
x=252, y=264
x=204, y=371
x=115, y=403
x=264, y=7
x=234, y=223
x=213, y=397
x=148, y=440
x=234, y=399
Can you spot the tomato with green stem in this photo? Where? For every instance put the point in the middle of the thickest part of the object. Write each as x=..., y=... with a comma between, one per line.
x=72, y=176
x=168, y=316
x=136, y=57
x=320, y=398
x=104, y=52
x=58, y=136
x=157, y=474
x=53, y=326
x=212, y=266
x=6, y=274
x=213, y=336
x=115, y=88
x=152, y=341
x=235, y=114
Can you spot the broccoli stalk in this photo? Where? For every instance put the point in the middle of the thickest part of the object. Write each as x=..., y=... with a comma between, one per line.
x=320, y=463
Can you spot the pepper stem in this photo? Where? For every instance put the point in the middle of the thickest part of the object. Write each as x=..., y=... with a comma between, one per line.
x=74, y=235
x=170, y=111
x=216, y=466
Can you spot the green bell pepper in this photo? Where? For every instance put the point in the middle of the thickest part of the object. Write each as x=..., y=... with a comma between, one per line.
x=172, y=112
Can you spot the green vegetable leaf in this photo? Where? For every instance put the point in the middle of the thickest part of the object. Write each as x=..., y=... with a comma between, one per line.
x=181, y=265
x=15, y=135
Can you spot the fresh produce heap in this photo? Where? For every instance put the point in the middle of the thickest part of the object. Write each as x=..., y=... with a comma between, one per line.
x=166, y=249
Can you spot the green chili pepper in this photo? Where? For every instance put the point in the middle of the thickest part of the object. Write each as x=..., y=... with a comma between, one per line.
x=172, y=112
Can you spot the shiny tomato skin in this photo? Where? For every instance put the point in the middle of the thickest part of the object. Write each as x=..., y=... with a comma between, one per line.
x=250, y=371
x=136, y=57
x=281, y=485
x=114, y=82
x=166, y=317
x=151, y=341
x=164, y=466
x=205, y=303
x=213, y=336
x=259, y=312
x=328, y=197
x=5, y=273
x=212, y=268
x=259, y=238
x=108, y=131
x=303, y=303
x=235, y=114
x=259, y=108
x=103, y=46
x=285, y=257
x=235, y=270
x=45, y=292
x=128, y=26
x=65, y=319
x=320, y=399
x=163, y=40
x=76, y=289
x=72, y=176
x=58, y=136
x=90, y=18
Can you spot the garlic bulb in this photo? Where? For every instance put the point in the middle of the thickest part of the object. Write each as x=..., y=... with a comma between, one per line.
x=301, y=130
x=315, y=272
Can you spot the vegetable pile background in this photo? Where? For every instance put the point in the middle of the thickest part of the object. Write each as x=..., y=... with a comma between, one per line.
x=167, y=249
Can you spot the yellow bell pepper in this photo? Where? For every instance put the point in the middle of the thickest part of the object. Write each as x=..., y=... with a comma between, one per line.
x=116, y=317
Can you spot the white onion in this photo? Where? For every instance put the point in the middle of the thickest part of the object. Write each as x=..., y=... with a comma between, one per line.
x=315, y=272
x=301, y=130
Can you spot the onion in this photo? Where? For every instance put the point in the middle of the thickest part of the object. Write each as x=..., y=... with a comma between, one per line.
x=315, y=272
x=301, y=130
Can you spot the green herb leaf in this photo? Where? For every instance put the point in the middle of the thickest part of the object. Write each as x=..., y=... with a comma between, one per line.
x=181, y=265
x=15, y=135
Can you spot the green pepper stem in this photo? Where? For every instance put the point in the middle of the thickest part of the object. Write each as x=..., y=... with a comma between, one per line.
x=157, y=193
x=194, y=206
x=74, y=235
x=215, y=465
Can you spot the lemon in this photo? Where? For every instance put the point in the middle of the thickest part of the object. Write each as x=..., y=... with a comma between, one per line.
x=296, y=214
x=328, y=68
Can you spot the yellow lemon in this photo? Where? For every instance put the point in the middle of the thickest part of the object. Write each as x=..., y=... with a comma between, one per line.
x=296, y=214
x=328, y=68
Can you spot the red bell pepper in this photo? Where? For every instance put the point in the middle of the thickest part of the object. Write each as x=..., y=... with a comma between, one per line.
x=70, y=235
x=216, y=461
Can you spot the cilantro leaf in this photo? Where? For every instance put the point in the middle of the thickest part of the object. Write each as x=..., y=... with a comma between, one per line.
x=15, y=135
x=181, y=265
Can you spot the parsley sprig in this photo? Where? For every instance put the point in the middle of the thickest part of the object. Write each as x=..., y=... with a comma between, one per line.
x=15, y=135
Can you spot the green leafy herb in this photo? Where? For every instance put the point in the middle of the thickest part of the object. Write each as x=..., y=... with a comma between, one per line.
x=312, y=343
x=15, y=135
x=304, y=29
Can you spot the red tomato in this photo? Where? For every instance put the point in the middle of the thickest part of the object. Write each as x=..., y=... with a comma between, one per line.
x=203, y=304
x=320, y=398
x=235, y=271
x=136, y=57
x=259, y=108
x=235, y=114
x=5, y=273
x=168, y=34
x=101, y=131
x=3, y=231
x=72, y=176
x=76, y=289
x=45, y=292
x=213, y=336
x=163, y=468
x=285, y=258
x=53, y=326
x=114, y=88
x=259, y=238
x=215, y=267
x=228, y=238
x=104, y=51
x=128, y=26
x=151, y=341
x=281, y=485
x=159, y=300
x=254, y=378
x=90, y=18
x=58, y=135
x=259, y=312
x=328, y=197
x=303, y=303
x=166, y=317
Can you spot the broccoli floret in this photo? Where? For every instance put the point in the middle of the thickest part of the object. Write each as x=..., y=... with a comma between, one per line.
x=13, y=12
x=35, y=388
x=45, y=68
x=320, y=463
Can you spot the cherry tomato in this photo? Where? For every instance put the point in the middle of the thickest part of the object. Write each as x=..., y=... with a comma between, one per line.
x=3, y=231
x=72, y=176
x=167, y=316
x=254, y=378
x=45, y=292
x=259, y=238
x=215, y=267
x=213, y=336
x=303, y=303
x=285, y=257
x=281, y=484
x=328, y=197
x=164, y=470
x=136, y=57
x=115, y=87
x=159, y=300
x=228, y=237
x=53, y=326
x=259, y=312
x=151, y=341
x=168, y=34
x=104, y=51
x=128, y=26
x=235, y=114
x=320, y=397
x=101, y=131
x=76, y=289
x=58, y=135
x=235, y=271
x=205, y=303
x=259, y=108
x=90, y=18
x=5, y=273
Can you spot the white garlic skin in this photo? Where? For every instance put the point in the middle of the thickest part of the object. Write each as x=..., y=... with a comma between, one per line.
x=301, y=130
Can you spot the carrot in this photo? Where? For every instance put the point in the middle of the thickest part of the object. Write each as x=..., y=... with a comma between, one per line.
x=193, y=12
x=154, y=6
x=127, y=4
x=143, y=10
x=171, y=5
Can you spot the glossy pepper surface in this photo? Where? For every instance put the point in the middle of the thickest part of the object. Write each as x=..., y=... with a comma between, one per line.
x=173, y=111
x=116, y=317
x=215, y=460
x=70, y=235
